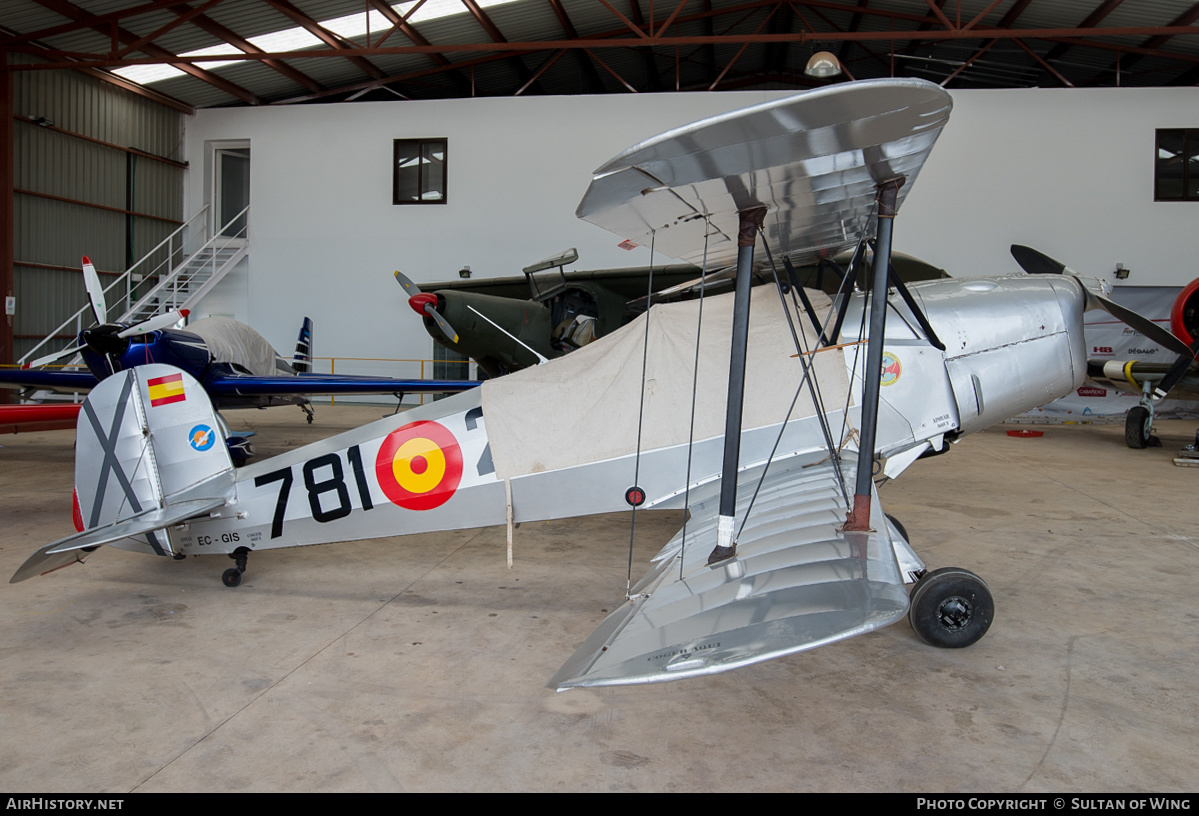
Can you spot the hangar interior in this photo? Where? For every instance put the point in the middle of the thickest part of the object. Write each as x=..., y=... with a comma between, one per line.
x=353, y=668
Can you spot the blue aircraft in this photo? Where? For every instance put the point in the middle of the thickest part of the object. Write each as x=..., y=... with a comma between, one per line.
x=236, y=365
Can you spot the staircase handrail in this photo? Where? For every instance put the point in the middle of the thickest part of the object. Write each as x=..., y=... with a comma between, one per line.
x=170, y=279
x=125, y=277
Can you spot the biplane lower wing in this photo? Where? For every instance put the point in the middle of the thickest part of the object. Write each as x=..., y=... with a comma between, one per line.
x=799, y=584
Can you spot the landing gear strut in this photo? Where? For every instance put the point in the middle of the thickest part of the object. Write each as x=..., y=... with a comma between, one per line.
x=232, y=576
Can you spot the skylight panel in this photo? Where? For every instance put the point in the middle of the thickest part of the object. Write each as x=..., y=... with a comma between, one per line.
x=296, y=39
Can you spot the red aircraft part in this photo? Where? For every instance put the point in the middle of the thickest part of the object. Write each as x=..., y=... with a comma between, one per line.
x=27, y=418
x=1184, y=317
x=419, y=302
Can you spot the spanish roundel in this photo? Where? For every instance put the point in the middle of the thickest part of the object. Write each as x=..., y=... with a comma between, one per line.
x=419, y=466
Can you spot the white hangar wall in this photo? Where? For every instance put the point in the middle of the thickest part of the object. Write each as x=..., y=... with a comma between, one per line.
x=325, y=237
x=1069, y=172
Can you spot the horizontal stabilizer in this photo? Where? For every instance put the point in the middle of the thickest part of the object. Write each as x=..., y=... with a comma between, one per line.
x=795, y=584
x=65, y=550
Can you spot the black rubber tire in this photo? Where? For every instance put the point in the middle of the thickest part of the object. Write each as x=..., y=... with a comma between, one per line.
x=1137, y=427
x=950, y=608
x=231, y=577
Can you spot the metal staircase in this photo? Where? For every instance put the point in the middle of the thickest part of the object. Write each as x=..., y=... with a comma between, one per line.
x=188, y=283
x=179, y=272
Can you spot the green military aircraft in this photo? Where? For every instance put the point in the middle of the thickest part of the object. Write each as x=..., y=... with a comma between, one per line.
x=509, y=323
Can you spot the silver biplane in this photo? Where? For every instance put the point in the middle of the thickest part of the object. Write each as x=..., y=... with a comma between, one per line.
x=767, y=424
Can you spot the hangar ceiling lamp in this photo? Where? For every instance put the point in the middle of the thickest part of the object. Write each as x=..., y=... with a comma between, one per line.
x=822, y=65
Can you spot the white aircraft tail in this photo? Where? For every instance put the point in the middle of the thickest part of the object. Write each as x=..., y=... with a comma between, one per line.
x=148, y=454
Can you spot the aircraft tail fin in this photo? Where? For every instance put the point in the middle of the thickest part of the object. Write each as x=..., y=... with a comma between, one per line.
x=302, y=361
x=149, y=453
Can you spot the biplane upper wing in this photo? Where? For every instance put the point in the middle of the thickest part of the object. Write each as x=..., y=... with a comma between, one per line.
x=814, y=159
x=797, y=584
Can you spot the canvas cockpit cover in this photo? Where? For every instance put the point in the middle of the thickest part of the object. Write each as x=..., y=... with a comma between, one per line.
x=231, y=342
x=584, y=408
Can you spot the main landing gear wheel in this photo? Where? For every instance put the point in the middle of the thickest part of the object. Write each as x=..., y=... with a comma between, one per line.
x=232, y=576
x=950, y=608
x=1137, y=427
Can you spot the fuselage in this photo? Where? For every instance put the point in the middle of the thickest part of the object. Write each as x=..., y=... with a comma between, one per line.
x=573, y=436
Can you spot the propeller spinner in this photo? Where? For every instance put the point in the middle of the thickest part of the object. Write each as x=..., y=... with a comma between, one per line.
x=425, y=303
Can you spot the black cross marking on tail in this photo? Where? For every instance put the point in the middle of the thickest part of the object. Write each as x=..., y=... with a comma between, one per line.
x=108, y=443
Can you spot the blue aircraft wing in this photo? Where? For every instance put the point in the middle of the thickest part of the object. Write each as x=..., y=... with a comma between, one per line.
x=49, y=379
x=301, y=385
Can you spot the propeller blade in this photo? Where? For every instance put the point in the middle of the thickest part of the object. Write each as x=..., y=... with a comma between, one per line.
x=442, y=324
x=410, y=288
x=155, y=323
x=1163, y=337
x=95, y=291
x=51, y=358
x=1038, y=263
x=425, y=303
x=1177, y=371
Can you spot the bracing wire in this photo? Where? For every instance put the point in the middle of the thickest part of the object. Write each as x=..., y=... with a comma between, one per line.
x=809, y=378
x=640, y=414
x=699, y=322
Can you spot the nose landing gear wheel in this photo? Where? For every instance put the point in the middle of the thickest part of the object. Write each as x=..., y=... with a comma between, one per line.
x=1138, y=426
x=950, y=608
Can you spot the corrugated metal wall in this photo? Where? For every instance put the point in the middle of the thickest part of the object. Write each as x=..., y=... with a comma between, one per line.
x=50, y=234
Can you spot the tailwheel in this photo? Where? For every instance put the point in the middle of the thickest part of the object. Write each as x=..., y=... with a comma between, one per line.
x=950, y=608
x=232, y=576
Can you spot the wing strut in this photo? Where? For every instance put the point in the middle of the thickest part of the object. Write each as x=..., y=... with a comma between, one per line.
x=921, y=318
x=843, y=292
x=797, y=287
x=749, y=222
x=859, y=516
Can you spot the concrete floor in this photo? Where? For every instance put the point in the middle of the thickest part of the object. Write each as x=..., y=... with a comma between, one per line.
x=419, y=663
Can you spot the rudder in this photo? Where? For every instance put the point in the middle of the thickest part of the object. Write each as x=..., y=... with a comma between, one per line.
x=145, y=437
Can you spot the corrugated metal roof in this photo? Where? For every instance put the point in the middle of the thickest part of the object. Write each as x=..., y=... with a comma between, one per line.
x=585, y=46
